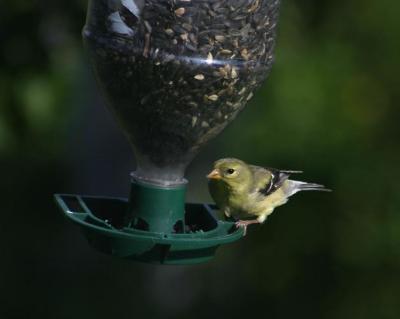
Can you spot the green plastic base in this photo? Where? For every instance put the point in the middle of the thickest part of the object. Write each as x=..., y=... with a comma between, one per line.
x=103, y=222
x=155, y=208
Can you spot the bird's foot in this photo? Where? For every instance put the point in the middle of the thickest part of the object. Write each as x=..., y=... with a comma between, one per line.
x=245, y=223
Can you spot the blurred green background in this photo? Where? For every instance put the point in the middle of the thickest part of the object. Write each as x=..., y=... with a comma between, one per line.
x=329, y=107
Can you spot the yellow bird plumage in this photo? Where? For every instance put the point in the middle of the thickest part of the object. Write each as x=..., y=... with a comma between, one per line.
x=246, y=191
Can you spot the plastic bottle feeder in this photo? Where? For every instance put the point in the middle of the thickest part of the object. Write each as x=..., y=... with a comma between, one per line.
x=174, y=73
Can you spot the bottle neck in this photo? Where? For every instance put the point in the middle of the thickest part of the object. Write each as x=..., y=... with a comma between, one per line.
x=156, y=208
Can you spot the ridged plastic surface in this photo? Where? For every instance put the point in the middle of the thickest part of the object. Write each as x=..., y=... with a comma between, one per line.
x=102, y=220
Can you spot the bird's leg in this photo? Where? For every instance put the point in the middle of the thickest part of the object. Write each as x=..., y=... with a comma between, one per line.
x=245, y=223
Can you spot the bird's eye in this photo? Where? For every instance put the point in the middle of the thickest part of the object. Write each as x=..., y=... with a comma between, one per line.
x=230, y=171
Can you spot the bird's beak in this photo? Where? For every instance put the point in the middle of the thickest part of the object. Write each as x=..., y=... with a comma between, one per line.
x=214, y=174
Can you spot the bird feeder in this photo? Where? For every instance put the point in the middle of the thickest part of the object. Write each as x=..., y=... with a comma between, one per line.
x=174, y=74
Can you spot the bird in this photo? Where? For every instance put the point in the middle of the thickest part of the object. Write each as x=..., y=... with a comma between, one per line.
x=250, y=193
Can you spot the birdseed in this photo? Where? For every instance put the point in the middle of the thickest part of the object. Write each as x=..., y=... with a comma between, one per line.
x=167, y=66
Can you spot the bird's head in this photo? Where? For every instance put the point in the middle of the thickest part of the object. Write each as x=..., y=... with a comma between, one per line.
x=232, y=171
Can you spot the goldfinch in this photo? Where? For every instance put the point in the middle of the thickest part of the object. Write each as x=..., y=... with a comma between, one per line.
x=250, y=193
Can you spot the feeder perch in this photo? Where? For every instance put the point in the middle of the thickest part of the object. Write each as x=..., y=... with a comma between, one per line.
x=174, y=74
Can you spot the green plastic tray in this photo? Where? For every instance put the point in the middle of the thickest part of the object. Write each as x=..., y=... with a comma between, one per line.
x=102, y=221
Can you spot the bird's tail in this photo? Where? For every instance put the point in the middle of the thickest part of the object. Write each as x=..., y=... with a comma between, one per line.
x=297, y=186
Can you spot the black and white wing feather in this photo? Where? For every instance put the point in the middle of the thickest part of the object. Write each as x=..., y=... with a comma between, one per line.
x=268, y=180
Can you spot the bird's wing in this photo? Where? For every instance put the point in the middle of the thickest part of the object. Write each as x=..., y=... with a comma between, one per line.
x=268, y=180
x=261, y=177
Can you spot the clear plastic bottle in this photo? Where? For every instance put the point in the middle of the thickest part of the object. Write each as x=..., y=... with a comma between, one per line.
x=176, y=72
